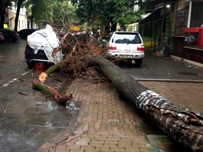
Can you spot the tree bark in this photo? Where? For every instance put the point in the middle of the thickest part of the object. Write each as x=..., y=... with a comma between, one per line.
x=19, y=3
x=32, y=21
x=2, y=13
x=180, y=124
x=51, y=92
x=3, y=7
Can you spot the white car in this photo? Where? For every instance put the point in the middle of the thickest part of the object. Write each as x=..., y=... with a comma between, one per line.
x=126, y=45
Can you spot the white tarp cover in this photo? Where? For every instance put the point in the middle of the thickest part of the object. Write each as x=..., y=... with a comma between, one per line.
x=45, y=39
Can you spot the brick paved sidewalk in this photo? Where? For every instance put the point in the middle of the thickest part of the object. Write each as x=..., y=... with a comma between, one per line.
x=107, y=124
x=189, y=95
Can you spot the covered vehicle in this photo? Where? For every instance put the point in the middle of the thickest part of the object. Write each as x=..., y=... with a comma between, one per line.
x=40, y=45
x=10, y=35
x=25, y=32
x=2, y=39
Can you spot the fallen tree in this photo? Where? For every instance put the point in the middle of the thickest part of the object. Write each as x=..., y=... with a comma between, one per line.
x=43, y=75
x=181, y=124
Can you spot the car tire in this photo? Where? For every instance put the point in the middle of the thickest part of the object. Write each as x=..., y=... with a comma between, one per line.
x=30, y=65
x=138, y=62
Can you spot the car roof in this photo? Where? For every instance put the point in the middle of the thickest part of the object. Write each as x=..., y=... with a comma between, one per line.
x=6, y=30
x=28, y=29
x=125, y=32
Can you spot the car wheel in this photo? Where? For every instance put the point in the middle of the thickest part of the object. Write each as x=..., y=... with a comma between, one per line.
x=138, y=62
x=30, y=64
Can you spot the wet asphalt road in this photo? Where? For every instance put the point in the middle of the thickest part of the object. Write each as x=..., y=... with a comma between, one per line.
x=157, y=67
x=28, y=121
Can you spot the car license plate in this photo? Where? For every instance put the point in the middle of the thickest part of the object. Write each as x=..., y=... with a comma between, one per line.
x=126, y=56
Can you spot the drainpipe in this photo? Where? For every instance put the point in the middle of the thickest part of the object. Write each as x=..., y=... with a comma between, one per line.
x=162, y=28
x=189, y=14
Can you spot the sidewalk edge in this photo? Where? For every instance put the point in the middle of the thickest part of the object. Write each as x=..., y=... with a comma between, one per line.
x=188, y=61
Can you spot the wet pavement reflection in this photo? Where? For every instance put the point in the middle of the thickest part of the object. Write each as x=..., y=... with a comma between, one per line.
x=37, y=124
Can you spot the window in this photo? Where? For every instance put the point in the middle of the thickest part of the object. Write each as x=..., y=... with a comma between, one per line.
x=130, y=38
x=181, y=21
x=196, y=14
x=18, y=24
x=11, y=23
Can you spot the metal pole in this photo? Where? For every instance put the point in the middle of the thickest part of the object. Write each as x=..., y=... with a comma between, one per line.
x=189, y=14
x=162, y=33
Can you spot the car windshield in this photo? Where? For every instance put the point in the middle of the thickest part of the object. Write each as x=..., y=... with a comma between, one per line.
x=128, y=38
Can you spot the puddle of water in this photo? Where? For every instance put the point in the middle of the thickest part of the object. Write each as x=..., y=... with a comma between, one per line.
x=71, y=105
x=38, y=124
x=46, y=105
x=161, y=143
x=49, y=114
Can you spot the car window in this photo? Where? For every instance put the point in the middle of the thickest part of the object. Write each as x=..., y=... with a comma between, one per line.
x=129, y=38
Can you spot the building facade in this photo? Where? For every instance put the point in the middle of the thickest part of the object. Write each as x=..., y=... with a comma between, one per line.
x=23, y=20
x=167, y=25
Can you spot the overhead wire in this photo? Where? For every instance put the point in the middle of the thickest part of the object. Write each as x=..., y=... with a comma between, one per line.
x=160, y=19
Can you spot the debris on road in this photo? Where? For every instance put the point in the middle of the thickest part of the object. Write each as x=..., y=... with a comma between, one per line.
x=23, y=93
x=62, y=99
x=43, y=75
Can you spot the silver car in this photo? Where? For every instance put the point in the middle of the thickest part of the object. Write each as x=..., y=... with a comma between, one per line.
x=126, y=45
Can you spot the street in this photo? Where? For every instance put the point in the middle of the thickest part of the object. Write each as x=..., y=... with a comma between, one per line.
x=27, y=117
x=131, y=79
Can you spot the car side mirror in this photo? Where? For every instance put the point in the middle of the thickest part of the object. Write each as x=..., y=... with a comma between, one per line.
x=104, y=40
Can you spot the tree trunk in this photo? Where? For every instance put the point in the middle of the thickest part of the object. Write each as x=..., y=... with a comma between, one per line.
x=113, y=28
x=42, y=77
x=3, y=6
x=2, y=15
x=181, y=124
x=31, y=21
x=17, y=14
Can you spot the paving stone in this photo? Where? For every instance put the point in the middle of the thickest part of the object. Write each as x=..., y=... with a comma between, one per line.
x=113, y=125
x=184, y=94
x=87, y=147
x=77, y=150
